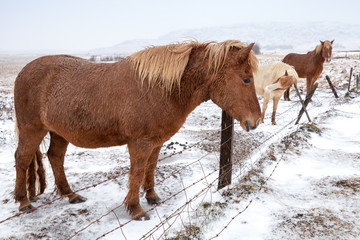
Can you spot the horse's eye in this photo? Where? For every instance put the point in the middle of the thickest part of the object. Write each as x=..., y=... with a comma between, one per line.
x=247, y=81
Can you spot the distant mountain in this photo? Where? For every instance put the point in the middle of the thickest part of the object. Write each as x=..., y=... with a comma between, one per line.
x=275, y=37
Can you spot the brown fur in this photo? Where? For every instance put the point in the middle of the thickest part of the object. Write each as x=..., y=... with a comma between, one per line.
x=309, y=65
x=100, y=105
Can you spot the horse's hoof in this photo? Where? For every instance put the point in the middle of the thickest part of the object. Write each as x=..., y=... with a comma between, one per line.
x=28, y=208
x=77, y=199
x=142, y=217
x=153, y=201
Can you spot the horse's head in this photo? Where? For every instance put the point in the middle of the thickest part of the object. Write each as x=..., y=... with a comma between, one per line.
x=233, y=87
x=327, y=49
x=286, y=81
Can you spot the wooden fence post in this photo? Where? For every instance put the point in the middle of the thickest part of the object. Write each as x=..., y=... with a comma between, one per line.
x=227, y=131
x=302, y=103
x=331, y=86
x=306, y=102
x=351, y=69
x=357, y=82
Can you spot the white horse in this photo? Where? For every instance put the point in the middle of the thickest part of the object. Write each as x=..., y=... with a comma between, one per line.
x=271, y=81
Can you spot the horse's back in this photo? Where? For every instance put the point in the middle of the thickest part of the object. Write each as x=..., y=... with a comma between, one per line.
x=44, y=68
x=36, y=77
x=299, y=61
x=49, y=82
x=269, y=73
x=279, y=69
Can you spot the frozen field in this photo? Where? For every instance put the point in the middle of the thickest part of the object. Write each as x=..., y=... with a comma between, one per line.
x=289, y=181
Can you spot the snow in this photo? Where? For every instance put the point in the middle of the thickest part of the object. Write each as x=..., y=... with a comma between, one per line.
x=288, y=182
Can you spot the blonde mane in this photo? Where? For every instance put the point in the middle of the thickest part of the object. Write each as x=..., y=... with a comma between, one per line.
x=320, y=46
x=165, y=65
x=279, y=68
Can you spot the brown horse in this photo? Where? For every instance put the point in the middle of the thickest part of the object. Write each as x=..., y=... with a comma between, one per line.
x=309, y=65
x=140, y=101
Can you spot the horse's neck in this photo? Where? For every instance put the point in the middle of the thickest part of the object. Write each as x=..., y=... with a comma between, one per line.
x=192, y=93
x=317, y=58
x=194, y=83
x=262, y=79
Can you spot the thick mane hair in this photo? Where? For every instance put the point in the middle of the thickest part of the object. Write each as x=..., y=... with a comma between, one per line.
x=165, y=65
x=319, y=47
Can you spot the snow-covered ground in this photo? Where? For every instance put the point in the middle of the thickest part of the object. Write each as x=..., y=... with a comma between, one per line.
x=289, y=181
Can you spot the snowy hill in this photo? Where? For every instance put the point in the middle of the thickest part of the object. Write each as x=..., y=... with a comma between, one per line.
x=272, y=37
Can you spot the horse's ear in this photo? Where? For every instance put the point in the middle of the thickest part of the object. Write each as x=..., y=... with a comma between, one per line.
x=286, y=73
x=322, y=43
x=332, y=41
x=244, y=53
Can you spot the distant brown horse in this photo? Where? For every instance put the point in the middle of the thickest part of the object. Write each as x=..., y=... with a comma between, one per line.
x=140, y=101
x=309, y=65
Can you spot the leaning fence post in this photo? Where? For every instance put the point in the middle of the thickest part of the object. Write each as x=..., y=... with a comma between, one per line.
x=351, y=69
x=331, y=86
x=302, y=103
x=357, y=82
x=227, y=130
x=305, y=103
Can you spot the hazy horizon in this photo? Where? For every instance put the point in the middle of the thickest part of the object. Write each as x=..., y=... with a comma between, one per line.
x=83, y=25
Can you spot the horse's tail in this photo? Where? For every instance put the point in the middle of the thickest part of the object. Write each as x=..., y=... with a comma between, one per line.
x=35, y=174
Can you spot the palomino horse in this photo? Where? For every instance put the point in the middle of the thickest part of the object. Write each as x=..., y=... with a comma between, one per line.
x=309, y=65
x=140, y=101
x=271, y=81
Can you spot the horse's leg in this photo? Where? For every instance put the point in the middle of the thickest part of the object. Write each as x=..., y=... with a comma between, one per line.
x=275, y=105
x=309, y=83
x=29, y=141
x=139, y=154
x=264, y=107
x=56, y=154
x=151, y=196
x=287, y=94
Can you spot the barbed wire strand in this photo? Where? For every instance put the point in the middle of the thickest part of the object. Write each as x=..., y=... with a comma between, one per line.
x=191, y=185
x=262, y=184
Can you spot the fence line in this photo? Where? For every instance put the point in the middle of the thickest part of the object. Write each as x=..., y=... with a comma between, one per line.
x=126, y=172
x=262, y=184
x=107, y=180
x=178, y=211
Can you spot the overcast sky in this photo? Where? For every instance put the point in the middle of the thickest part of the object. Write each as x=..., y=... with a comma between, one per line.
x=73, y=25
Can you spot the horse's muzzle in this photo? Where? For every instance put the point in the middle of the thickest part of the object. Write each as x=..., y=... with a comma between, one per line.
x=249, y=127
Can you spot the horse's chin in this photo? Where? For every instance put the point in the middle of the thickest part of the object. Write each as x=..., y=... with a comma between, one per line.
x=247, y=126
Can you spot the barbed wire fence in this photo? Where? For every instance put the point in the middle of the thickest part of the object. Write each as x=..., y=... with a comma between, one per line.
x=182, y=214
